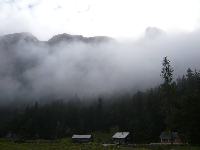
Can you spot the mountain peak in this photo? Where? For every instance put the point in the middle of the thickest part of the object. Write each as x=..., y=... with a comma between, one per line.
x=153, y=32
x=14, y=38
x=77, y=38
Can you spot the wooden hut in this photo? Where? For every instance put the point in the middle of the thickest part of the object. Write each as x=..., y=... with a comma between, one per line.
x=165, y=137
x=121, y=138
x=82, y=138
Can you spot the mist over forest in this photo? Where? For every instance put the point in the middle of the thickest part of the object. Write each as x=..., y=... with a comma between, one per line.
x=72, y=67
x=72, y=84
x=67, y=65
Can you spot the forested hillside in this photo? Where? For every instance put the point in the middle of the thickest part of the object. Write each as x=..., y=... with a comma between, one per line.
x=116, y=74
x=143, y=114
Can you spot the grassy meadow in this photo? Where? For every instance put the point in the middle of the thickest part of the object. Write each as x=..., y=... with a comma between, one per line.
x=99, y=138
x=66, y=144
x=104, y=137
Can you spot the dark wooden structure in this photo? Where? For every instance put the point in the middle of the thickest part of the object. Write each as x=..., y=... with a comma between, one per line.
x=82, y=138
x=165, y=137
x=121, y=138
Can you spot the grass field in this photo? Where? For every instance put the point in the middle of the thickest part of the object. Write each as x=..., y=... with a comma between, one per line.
x=66, y=144
x=104, y=137
x=99, y=138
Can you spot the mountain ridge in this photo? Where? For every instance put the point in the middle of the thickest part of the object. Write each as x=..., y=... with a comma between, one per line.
x=56, y=39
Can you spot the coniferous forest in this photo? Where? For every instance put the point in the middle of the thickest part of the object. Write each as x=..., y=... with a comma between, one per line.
x=172, y=106
x=99, y=74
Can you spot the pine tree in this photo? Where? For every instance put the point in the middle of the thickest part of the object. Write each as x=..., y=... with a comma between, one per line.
x=168, y=88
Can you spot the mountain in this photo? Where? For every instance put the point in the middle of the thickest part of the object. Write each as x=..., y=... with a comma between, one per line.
x=29, y=38
x=25, y=62
x=77, y=38
x=153, y=32
x=16, y=37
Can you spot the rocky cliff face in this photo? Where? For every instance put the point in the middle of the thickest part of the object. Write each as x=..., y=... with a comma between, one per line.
x=29, y=38
x=77, y=38
x=26, y=62
x=16, y=37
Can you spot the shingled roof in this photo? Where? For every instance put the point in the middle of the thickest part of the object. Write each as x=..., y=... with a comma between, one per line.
x=121, y=135
x=81, y=136
x=167, y=135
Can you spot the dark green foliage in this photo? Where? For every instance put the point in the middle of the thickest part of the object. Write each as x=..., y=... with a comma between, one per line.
x=190, y=116
x=168, y=108
x=144, y=114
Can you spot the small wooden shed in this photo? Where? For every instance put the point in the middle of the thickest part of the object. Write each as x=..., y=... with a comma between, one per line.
x=121, y=138
x=82, y=138
x=165, y=137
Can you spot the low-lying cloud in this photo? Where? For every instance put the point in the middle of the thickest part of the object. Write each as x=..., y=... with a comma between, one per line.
x=34, y=70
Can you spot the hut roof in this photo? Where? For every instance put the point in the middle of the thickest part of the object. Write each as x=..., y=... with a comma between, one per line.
x=81, y=136
x=121, y=135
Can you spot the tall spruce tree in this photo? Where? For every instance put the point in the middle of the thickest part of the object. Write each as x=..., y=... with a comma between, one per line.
x=168, y=88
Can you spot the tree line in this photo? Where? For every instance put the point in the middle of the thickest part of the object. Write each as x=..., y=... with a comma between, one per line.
x=171, y=106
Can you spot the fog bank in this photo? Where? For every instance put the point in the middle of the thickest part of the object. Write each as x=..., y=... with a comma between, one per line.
x=65, y=65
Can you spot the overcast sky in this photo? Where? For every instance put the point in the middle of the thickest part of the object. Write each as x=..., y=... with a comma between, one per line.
x=115, y=18
x=152, y=29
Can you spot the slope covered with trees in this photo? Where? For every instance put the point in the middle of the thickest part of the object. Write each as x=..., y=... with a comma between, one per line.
x=172, y=106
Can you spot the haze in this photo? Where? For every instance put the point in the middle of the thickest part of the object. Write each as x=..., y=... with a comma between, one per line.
x=32, y=70
x=114, y=18
x=144, y=32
